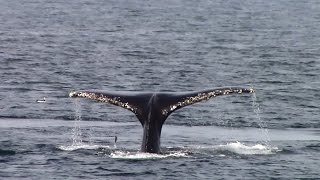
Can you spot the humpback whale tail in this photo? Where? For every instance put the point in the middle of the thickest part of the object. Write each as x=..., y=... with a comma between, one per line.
x=152, y=109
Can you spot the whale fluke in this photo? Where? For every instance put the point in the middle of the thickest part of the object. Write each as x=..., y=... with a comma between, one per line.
x=153, y=108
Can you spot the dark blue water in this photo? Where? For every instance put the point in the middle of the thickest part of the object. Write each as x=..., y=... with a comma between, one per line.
x=49, y=48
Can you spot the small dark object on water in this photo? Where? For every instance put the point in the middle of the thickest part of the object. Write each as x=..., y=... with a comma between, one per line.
x=41, y=100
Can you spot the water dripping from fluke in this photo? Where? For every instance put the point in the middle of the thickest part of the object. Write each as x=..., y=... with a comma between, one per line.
x=76, y=131
x=262, y=124
x=77, y=134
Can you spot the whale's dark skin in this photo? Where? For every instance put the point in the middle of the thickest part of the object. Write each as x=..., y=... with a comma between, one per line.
x=153, y=108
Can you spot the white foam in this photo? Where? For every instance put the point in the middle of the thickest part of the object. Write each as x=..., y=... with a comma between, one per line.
x=81, y=146
x=240, y=148
x=144, y=156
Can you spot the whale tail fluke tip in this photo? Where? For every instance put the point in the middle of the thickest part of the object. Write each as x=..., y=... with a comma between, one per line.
x=252, y=90
x=73, y=94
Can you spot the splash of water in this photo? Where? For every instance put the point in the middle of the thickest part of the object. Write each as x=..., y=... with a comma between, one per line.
x=144, y=156
x=240, y=148
x=82, y=146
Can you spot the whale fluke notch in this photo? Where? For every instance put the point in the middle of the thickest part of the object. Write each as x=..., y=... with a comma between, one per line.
x=153, y=108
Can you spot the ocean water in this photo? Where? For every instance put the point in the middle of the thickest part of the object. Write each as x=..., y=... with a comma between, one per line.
x=49, y=48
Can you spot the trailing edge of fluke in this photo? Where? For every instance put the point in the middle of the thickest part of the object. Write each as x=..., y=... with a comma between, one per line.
x=153, y=108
